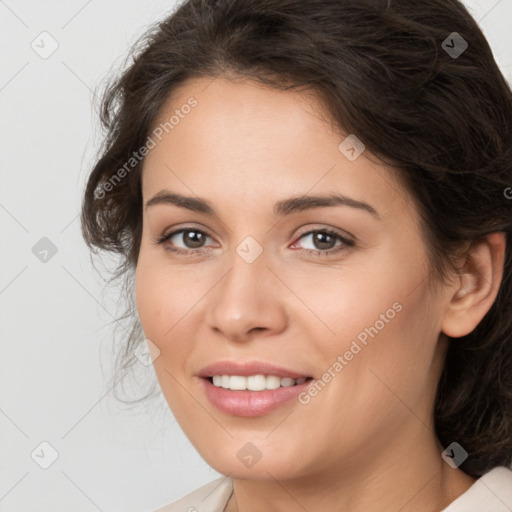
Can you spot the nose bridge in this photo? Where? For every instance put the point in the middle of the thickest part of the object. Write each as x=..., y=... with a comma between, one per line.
x=247, y=277
x=244, y=298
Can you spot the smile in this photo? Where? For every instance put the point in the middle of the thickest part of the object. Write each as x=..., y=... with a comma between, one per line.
x=251, y=388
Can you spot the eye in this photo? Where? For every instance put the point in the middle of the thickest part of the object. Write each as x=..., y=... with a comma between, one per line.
x=192, y=240
x=324, y=241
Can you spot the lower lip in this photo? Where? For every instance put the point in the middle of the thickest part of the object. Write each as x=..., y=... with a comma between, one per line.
x=250, y=403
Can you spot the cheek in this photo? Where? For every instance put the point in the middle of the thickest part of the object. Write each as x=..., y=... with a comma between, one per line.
x=393, y=372
x=159, y=310
x=167, y=305
x=383, y=332
x=363, y=301
x=158, y=301
x=376, y=386
x=147, y=298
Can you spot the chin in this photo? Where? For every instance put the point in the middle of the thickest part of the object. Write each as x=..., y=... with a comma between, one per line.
x=243, y=460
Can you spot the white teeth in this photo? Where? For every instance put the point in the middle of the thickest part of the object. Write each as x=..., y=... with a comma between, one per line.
x=237, y=382
x=254, y=382
x=273, y=382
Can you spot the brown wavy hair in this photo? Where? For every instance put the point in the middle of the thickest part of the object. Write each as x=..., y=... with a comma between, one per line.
x=384, y=73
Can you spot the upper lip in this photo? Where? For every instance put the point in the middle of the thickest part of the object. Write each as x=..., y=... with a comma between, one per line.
x=248, y=368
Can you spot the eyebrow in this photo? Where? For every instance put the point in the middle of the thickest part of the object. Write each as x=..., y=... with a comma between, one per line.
x=281, y=208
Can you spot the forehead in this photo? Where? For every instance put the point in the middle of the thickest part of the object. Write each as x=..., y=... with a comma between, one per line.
x=257, y=142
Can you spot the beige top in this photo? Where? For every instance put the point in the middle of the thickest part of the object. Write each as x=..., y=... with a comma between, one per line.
x=492, y=492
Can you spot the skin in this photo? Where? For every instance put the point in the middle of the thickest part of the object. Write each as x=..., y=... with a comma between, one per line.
x=366, y=441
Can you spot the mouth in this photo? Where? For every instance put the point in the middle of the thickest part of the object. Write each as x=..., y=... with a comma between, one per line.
x=251, y=389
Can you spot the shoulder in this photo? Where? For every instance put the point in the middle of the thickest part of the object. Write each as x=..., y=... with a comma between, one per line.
x=211, y=497
x=492, y=492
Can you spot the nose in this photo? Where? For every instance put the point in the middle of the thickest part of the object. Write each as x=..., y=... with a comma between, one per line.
x=248, y=301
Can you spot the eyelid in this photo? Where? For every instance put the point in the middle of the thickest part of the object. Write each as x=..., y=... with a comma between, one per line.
x=322, y=227
x=180, y=229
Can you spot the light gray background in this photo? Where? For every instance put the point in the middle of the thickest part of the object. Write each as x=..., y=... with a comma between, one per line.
x=56, y=318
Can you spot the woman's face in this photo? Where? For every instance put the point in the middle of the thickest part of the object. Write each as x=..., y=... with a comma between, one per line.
x=277, y=287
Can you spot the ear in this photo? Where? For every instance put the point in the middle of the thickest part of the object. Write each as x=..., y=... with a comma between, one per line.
x=476, y=286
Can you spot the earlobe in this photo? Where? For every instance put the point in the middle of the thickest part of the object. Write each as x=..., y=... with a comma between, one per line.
x=476, y=286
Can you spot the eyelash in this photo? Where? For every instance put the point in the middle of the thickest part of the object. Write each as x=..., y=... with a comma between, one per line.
x=346, y=243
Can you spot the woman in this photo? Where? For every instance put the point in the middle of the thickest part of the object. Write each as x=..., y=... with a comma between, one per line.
x=314, y=200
